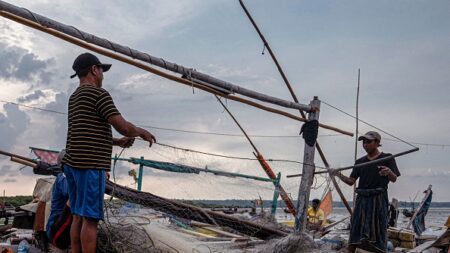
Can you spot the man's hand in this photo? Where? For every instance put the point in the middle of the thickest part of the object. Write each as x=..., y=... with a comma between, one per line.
x=384, y=171
x=124, y=142
x=334, y=172
x=147, y=136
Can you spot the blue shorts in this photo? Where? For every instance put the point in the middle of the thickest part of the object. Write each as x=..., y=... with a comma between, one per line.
x=86, y=191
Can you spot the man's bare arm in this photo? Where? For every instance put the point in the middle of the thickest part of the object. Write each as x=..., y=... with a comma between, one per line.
x=348, y=180
x=129, y=130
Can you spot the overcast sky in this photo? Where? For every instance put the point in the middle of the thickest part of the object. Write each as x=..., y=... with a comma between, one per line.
x=401, y=47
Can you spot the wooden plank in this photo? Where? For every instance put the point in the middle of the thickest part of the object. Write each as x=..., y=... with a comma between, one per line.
x=221, y=232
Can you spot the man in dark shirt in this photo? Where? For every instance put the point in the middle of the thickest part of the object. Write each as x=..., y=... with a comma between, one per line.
x=369, y=220
x=89, y=147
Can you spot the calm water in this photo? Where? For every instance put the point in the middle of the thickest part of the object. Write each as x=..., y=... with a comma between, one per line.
x=436, y=217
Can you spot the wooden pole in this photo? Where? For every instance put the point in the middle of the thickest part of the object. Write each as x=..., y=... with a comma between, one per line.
x=17, y=156
x=308, y=178
x=361, y=164
x=266, y=45
x=284, y=196
x=24, y=162
x=163, y=74
x=239, y=125
x=294, y=97
x=356, y=133
x=141, y=56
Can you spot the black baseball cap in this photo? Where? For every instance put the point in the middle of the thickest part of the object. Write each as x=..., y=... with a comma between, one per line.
x=85, y=61
x=371, y=135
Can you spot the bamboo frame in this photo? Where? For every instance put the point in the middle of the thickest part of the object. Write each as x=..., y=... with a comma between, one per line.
x=144, y=57
x=163, y=74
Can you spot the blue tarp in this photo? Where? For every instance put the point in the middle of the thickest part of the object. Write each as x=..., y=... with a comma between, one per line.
x=419, y=222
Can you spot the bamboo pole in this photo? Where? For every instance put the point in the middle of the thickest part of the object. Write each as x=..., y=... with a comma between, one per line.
x=135, y=54
x=356, y=133
x=24, y=162
x=284, y=196
x=163, y=74
x=266, y=45
x=362, y=164
x=17, y=156
x=294, y=97
x=239, y=125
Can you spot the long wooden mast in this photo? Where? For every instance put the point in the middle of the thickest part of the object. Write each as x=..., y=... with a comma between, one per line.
x=294, y=97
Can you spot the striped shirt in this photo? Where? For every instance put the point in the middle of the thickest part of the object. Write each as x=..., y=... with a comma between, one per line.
x=89, y=136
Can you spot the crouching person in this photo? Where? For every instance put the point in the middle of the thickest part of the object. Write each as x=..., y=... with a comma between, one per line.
x=60, y=219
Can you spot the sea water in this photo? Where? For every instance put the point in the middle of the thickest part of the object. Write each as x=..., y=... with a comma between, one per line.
x=435, y=218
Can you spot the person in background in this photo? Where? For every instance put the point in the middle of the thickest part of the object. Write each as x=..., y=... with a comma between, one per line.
x=393, y=213
x=316, y=216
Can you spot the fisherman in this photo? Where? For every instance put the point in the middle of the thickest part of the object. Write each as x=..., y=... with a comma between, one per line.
x=316, y=216
x=369, y=221
x=89, y=147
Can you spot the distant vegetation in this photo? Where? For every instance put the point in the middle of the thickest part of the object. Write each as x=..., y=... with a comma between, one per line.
x=268, y=203
x=16, y=200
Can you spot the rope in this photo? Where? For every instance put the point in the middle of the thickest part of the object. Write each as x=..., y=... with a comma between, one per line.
x=235, y=135
x=369, y=124
x=174, y=129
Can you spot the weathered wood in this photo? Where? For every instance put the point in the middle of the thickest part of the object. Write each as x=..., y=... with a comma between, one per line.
x=307, y=180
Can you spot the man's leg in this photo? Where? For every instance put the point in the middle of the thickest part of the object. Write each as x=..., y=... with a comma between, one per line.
x=89, y=235
x=75, y=231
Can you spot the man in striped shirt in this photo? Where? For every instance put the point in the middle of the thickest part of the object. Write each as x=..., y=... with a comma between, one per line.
x=89, y=147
